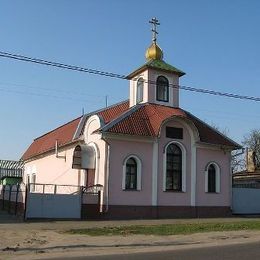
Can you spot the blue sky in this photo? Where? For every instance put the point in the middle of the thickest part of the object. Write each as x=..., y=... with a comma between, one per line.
x=215, y=42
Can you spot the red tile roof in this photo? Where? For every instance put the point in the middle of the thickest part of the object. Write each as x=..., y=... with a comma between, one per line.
x=114, y=111
x=147, y=120
x=141, y=120
x=65, y=133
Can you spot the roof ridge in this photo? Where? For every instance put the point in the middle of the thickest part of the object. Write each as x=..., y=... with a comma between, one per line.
x=85, y=115
x=57, y=128
x=82, y=124
x=121, y=117
x=105, y=108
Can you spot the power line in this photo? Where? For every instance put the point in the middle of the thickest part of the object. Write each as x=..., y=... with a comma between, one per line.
x=59, y=65
x=119, y=76
x=52, y=89
x=46, y=95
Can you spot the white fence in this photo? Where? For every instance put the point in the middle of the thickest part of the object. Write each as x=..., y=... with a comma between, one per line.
x=53, y=201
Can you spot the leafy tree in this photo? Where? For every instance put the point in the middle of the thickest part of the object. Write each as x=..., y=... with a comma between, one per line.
x=252, y=141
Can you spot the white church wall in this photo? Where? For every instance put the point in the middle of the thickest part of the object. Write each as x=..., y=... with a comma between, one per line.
x=49, y=169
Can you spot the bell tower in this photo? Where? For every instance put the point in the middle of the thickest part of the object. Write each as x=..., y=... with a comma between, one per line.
x=156, y=81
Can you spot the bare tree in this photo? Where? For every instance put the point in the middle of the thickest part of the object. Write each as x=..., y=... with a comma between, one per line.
x=224, y=131
x=252, y=141
x=238, y=162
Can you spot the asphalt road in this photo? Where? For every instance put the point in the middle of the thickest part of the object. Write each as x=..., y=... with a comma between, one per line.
x=248, y=251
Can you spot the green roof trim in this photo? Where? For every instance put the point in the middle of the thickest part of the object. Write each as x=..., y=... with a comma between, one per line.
x=157, y=64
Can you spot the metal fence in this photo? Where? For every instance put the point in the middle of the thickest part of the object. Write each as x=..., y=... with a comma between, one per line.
x=12, y=198
x=53, y=188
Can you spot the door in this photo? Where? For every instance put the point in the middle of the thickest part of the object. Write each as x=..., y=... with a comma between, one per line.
x=90, y=180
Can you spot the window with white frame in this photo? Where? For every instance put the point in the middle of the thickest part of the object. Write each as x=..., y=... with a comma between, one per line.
x=131, y=173
x=139, y=90
x=212, y=178
x=162, y=89
x=175, y=167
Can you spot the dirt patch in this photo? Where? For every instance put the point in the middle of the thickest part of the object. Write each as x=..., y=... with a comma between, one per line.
x=47, y=239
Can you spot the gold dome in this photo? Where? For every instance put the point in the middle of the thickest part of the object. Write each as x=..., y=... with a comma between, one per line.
x=154, y=52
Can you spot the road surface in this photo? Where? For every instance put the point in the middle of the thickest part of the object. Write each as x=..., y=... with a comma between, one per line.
x=247, y=251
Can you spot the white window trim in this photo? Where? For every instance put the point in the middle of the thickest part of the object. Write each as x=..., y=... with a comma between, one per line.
x=139, y=172
x=97, y=153
x=217, y=168
x=136, y=92
x=184, y=162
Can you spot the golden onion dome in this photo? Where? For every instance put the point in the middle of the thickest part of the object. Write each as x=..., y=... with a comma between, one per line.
x=154, y=52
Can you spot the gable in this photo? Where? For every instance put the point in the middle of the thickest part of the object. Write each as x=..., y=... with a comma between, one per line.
x=148, y=118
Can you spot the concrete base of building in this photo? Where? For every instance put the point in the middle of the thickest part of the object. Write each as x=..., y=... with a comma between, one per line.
x=160, y=212
x=90, y=211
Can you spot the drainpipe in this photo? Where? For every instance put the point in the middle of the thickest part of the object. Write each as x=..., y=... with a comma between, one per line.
x=107, y=157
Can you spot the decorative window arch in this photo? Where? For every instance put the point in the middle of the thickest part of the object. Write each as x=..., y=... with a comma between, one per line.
x=162, y=89
x=132, y=173
x=174, y=167
x=139, y=90
x=212, y=178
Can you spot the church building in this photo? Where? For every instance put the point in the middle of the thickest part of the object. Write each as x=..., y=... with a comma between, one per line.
x=152, y=158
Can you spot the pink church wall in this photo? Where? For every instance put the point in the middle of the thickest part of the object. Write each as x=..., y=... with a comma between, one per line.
x=168, y=198
x=52, y=170
x=204, y=156
x=119, y=150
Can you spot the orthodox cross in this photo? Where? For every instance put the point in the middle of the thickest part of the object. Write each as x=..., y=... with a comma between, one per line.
x=154, y=23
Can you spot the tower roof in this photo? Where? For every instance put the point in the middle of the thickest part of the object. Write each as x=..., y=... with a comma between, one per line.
x=158, y=65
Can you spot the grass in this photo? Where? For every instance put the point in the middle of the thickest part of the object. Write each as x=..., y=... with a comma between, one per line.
x=167, y=229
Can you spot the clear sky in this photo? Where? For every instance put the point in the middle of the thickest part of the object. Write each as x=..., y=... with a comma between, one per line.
x=217, y=43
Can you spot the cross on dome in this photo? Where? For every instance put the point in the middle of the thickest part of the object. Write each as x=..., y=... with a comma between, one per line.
x=154, y=23
x=154, y=52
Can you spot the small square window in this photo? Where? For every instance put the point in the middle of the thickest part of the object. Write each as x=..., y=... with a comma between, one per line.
x=174, y=132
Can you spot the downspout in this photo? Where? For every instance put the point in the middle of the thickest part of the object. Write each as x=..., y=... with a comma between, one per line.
x=230, y=182
x=106, y=186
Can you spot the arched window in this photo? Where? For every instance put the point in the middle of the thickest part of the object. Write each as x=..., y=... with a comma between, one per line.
x=131, y=173
x=139, y=90
x=212, y=178
x=162, y=89
x=173, y=168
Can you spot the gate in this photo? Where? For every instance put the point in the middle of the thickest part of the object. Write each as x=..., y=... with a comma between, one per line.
x=91, y=202
x=246, y=199
x=53, y=201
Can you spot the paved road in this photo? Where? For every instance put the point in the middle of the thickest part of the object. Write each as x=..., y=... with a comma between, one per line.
x=249, y=251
